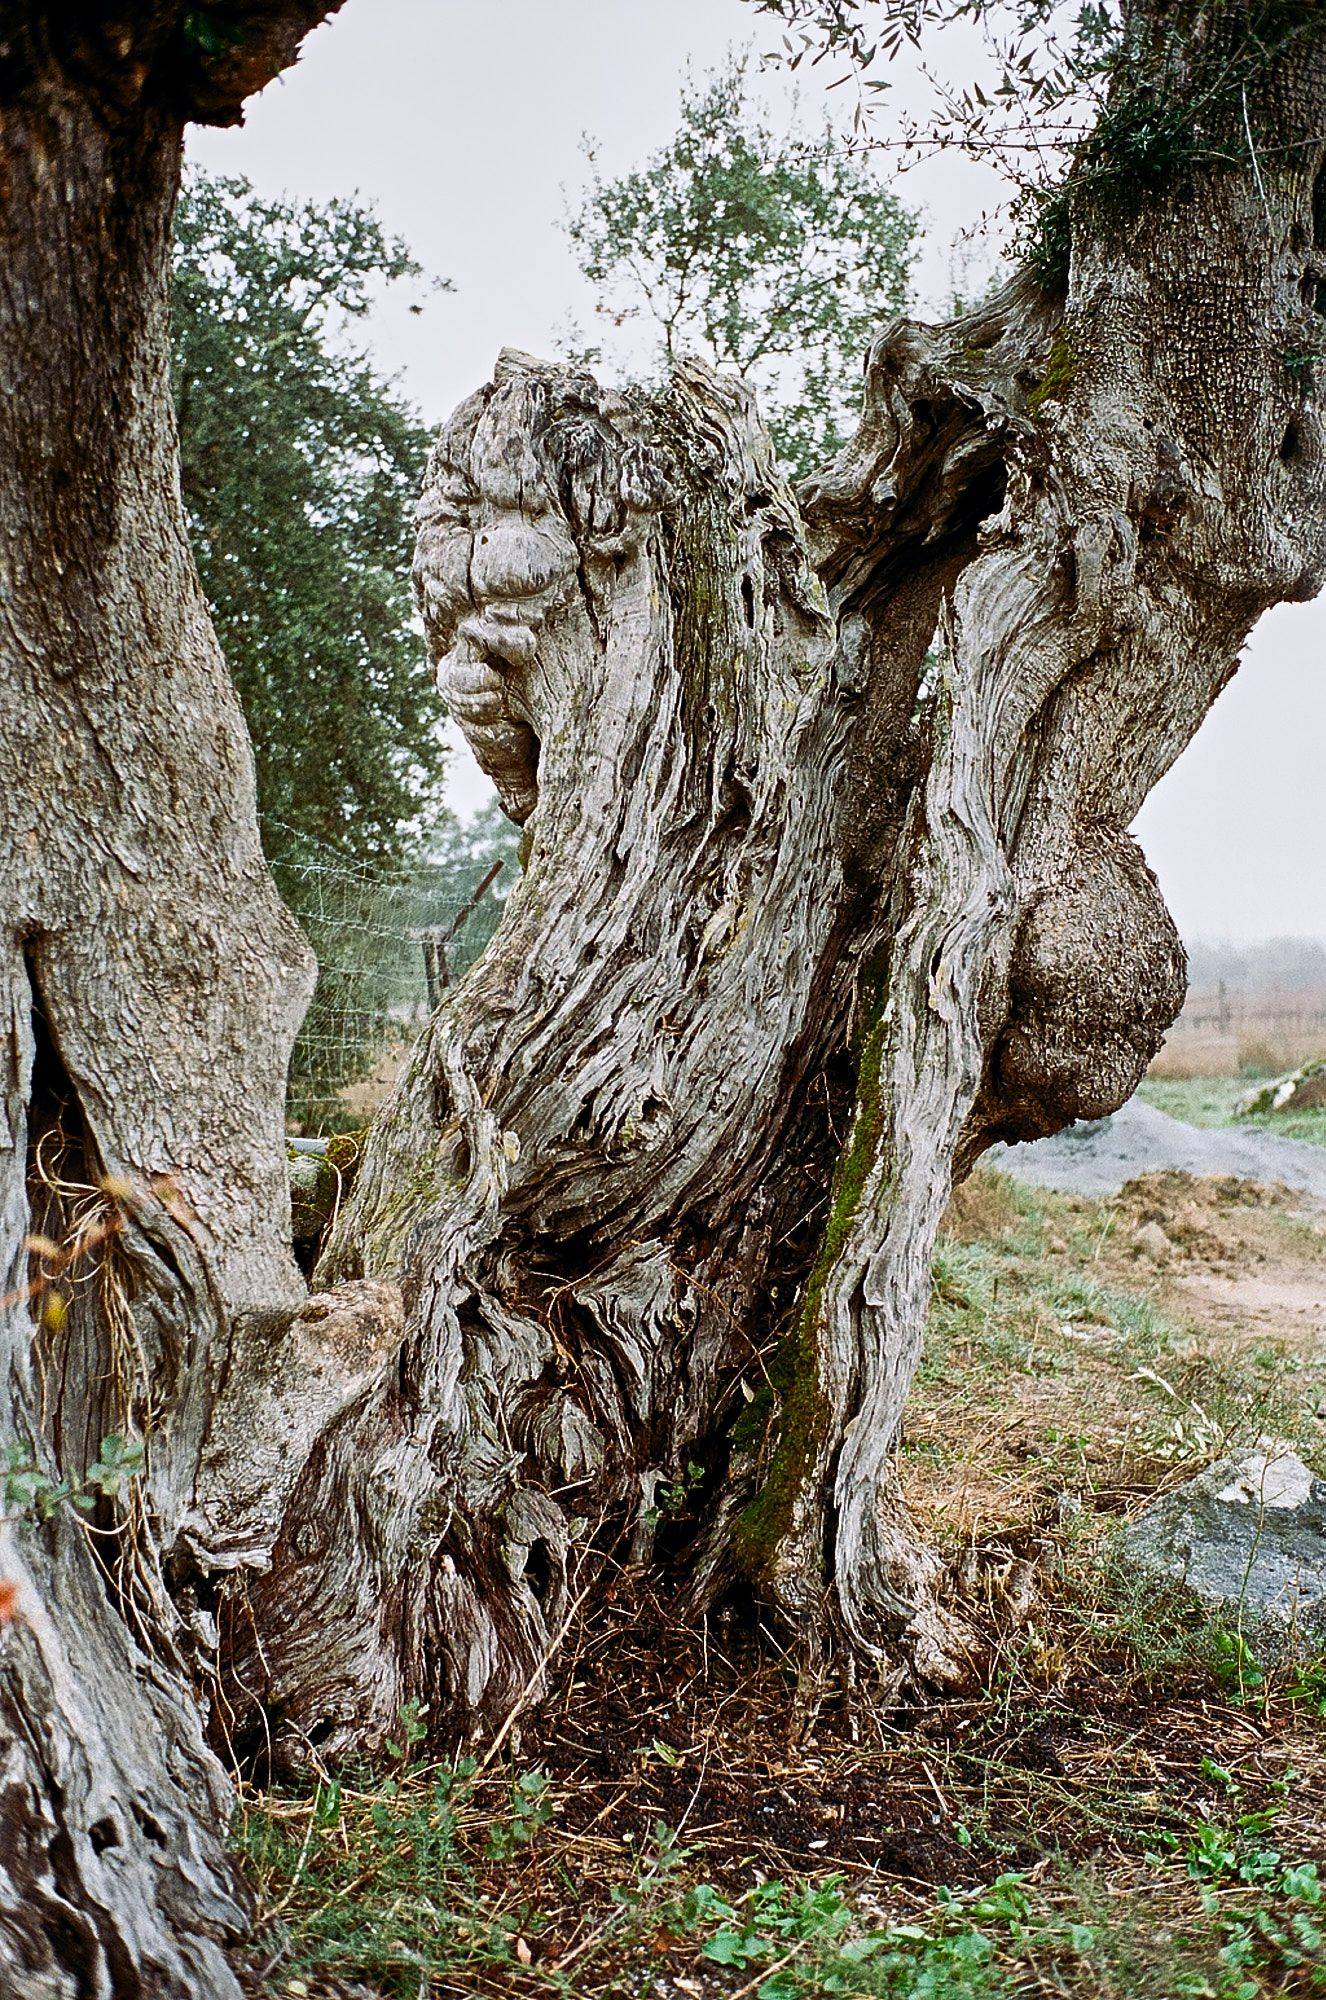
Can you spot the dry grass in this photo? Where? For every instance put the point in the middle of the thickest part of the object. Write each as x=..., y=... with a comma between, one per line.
x=1242, y=1051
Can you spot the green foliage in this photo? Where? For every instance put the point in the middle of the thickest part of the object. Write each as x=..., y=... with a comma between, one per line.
x=1101, y=98
x=774, y=253
x=414, y=1730
x=410, y=1885
x=1248, y=1680
x=119, y=1461
x=28, y=1491
x=378, y=1886
x=529, y=1808
x=300, y=465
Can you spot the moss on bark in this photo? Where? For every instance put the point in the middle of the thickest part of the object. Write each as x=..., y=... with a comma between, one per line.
x=796, y=1407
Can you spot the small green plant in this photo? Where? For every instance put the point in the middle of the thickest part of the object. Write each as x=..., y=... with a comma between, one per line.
x=530, y=1808
x=1239, y=1674
x=119, y=1461
x=414, y=1729
x=1300, y=364
x=383, y=1881
x=801, y=1939
x=659, y=1865
x=672, y=1495
x=28, y=1491
x=1307, y=1685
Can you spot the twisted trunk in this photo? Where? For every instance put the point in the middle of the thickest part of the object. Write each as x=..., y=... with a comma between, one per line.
x=815, y=790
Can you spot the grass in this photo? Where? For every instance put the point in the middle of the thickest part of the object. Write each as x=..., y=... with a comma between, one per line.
x=1130, y=1805
x=1046, y=1306
x=411, y=1887
x=1210, y=1101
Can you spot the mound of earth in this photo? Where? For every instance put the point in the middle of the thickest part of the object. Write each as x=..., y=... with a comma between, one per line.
x=1100, y=1156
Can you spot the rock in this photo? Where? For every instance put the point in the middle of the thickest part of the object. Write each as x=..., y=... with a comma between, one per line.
x=1152, y=1242
x=313, y=1188
x=1247, y=1539
x=321, y=1174
x=1301, y=1089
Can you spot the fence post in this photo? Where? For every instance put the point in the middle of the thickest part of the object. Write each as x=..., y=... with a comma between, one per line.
x=437, y=973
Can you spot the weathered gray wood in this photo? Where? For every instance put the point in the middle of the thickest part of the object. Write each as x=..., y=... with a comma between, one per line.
x=572, y=1164
x=1041, y=556
x=1161, y=487
x=151, y=984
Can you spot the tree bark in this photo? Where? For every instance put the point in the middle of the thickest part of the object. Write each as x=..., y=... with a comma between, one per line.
x=828, y=886
x=152, y=984
x=1160, y=487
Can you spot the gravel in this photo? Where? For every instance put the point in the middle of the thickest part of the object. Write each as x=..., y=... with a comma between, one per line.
x=1098, y=1157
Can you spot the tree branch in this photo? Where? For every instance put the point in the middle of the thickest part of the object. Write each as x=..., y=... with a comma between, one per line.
x=227, y=50
x=200, y=61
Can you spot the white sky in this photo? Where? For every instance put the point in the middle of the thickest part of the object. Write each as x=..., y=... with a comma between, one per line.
x=462, y=121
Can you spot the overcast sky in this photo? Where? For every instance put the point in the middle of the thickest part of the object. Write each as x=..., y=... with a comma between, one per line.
x=462, y=120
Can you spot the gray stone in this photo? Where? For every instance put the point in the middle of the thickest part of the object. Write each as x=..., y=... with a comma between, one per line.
x=1152, y=1242
x=1247, y=1538
x=315, y=1188
x=1302, y=1089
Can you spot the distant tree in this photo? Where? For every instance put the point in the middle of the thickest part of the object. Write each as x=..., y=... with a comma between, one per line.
x=300, y=464
x=777, y=253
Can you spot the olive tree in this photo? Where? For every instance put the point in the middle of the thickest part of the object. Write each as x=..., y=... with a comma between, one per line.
x=774, y=251
x=828, y=885
x=299, y=467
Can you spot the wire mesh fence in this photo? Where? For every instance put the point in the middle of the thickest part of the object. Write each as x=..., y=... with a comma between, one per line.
x=387, y=946
x=1225, y=1031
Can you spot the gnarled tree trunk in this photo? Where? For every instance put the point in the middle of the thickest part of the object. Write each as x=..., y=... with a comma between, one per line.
x=813, y=789
x=152, y=984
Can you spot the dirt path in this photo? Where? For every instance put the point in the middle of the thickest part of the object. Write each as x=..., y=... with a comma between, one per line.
x=1099, y=1158
x=1259, y=1306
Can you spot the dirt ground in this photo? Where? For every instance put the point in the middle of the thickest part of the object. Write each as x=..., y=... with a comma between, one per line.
x=1166, y=1322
